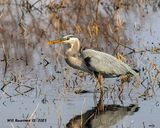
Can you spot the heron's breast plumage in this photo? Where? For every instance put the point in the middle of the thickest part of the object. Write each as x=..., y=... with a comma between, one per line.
x=77, y=63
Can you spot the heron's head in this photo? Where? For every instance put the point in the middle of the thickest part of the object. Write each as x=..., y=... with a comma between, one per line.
x=68, y=39
x=72, y=44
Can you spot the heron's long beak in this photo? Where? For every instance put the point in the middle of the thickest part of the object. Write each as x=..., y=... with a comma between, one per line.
x=56, y=41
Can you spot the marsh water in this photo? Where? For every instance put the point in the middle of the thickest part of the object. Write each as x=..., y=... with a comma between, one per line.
x=38, y=88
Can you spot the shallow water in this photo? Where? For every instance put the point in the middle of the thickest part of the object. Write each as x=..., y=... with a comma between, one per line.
x=45, y=92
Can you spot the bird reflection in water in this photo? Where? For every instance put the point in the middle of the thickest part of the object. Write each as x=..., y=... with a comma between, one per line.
x=102, y=115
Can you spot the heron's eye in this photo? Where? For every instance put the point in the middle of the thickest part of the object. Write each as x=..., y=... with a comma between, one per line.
x=67, y=38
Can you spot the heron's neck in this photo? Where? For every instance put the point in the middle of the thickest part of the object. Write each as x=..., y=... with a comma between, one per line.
x=74, y=49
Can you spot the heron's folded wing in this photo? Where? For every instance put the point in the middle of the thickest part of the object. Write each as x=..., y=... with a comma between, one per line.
x=105, y=63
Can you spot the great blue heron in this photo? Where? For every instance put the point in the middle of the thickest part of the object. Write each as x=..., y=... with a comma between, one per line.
x=101, y=64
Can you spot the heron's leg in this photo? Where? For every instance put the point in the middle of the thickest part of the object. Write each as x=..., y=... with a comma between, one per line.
x=97, y=82
x=95, y=75
x=101, y=82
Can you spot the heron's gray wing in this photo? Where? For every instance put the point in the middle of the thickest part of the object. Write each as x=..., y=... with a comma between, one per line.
x=105, y=63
